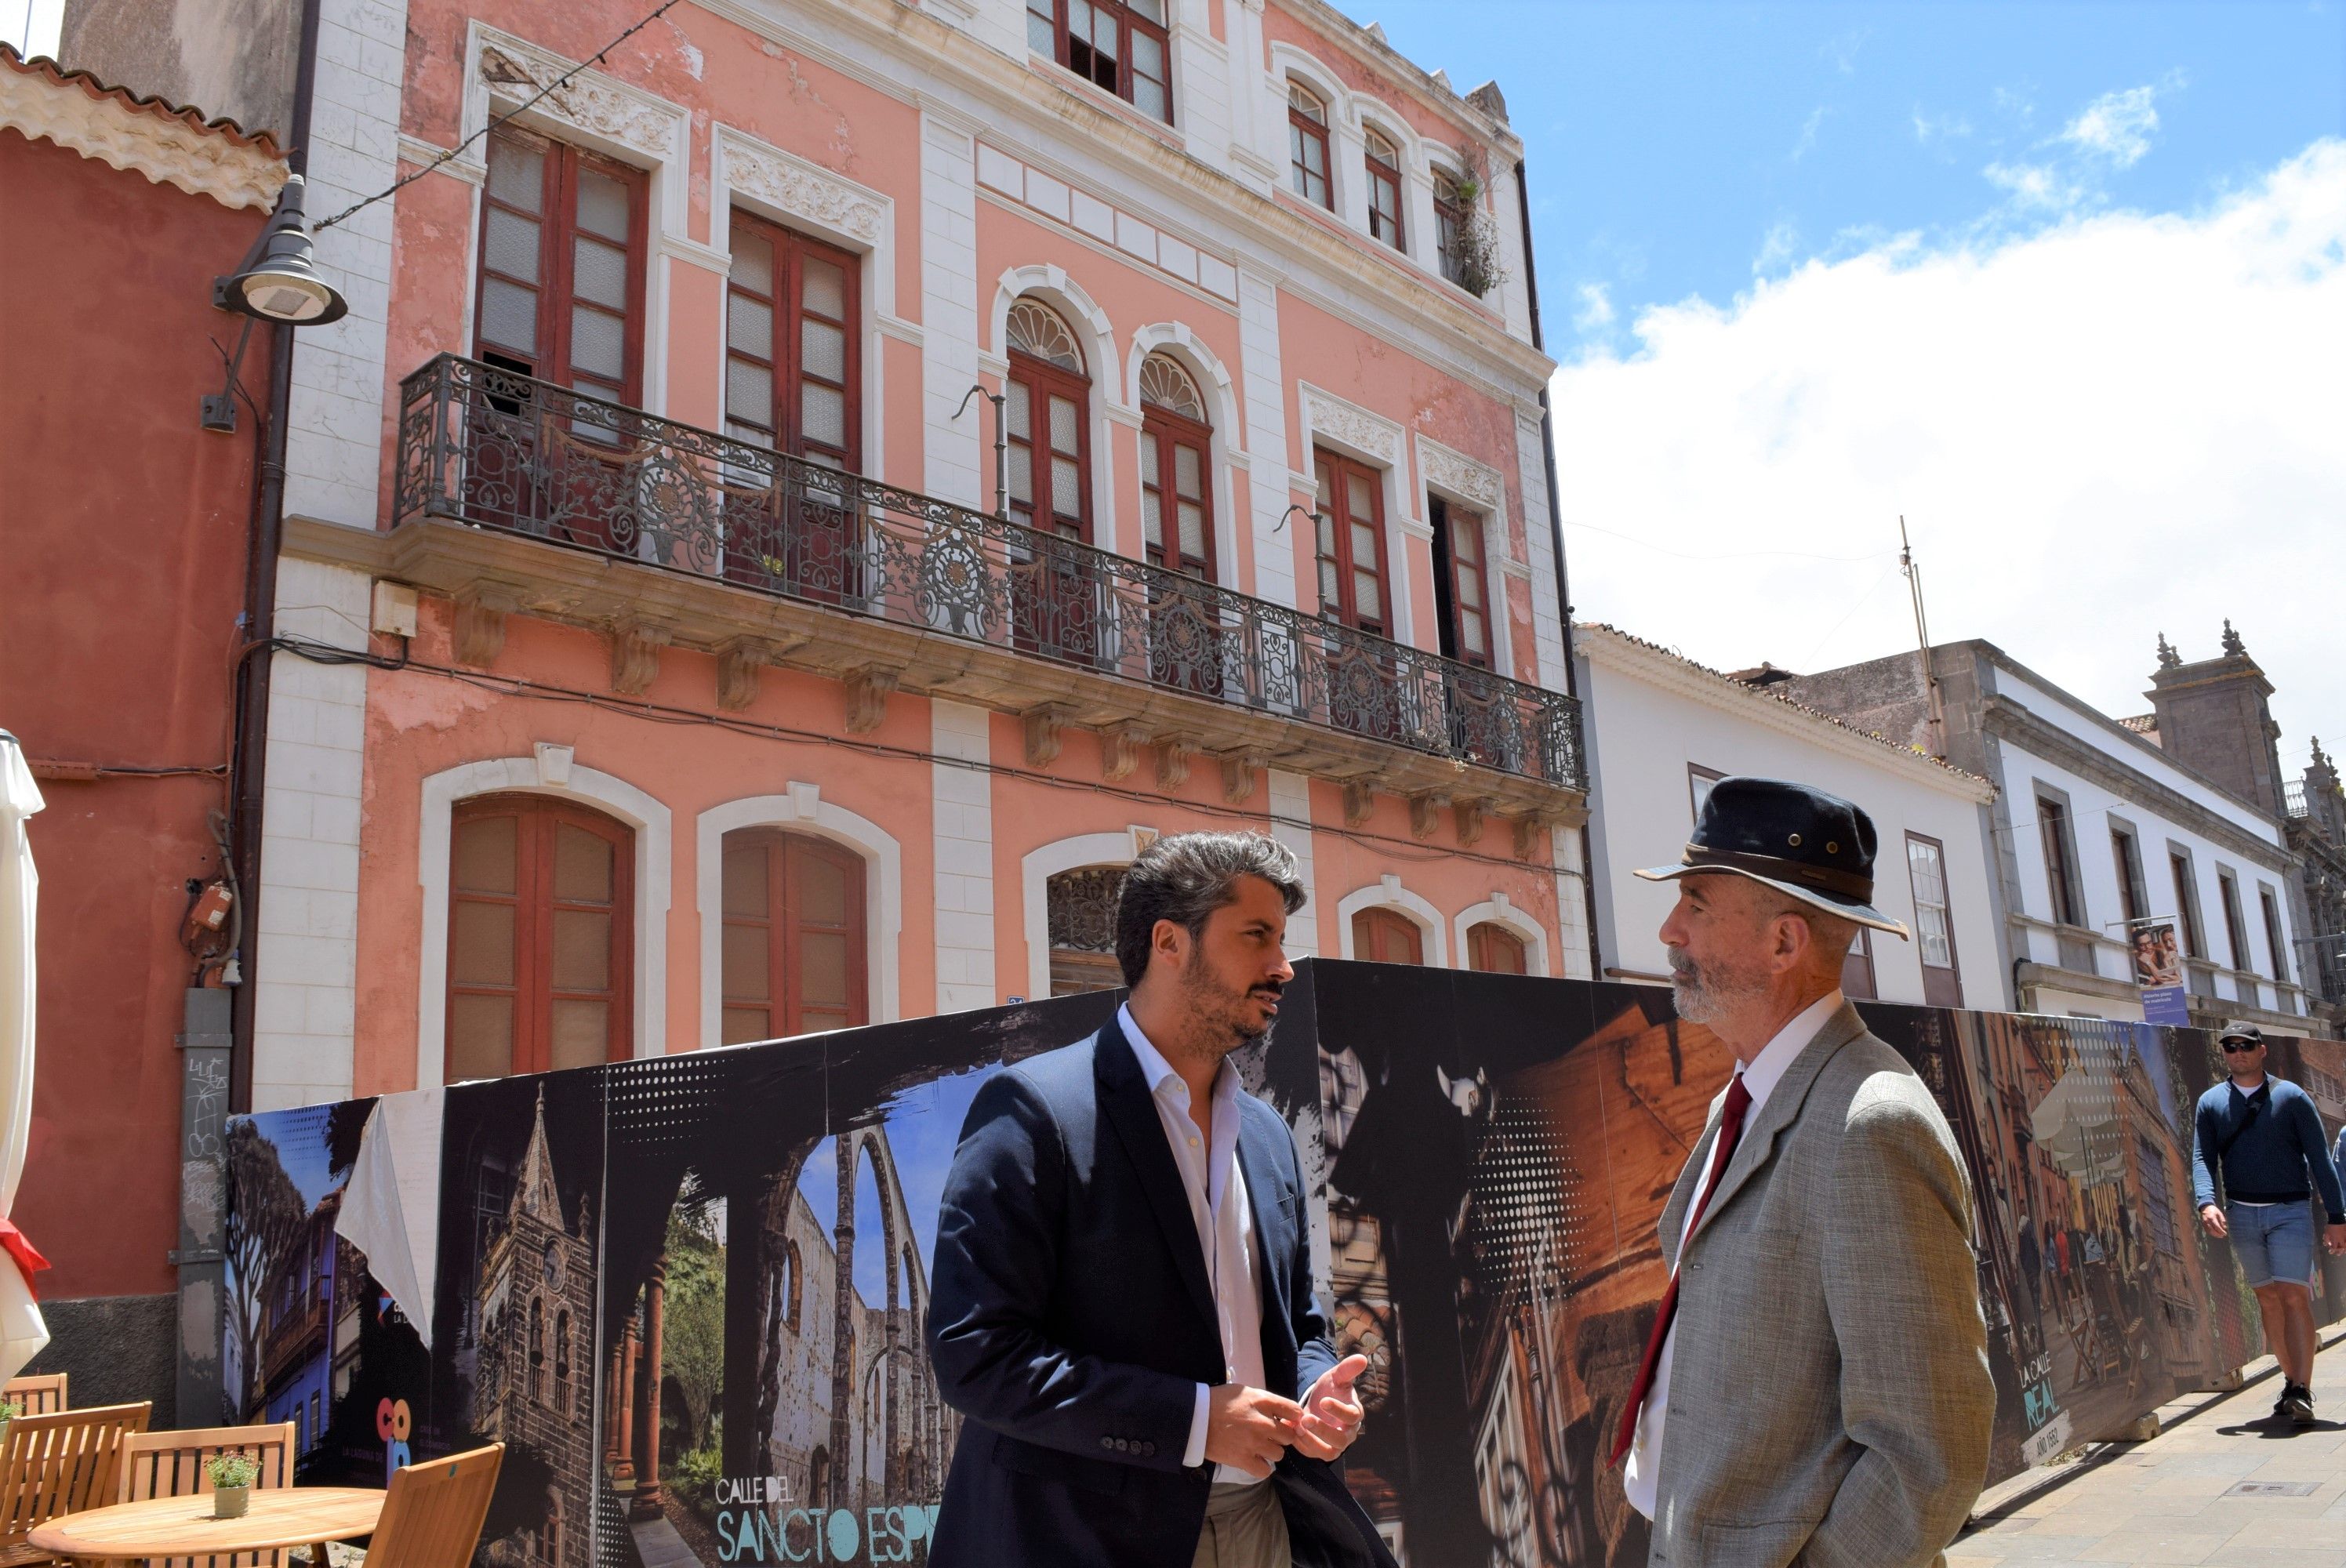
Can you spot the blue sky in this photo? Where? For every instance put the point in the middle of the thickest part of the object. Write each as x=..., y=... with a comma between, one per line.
x=1673, y=148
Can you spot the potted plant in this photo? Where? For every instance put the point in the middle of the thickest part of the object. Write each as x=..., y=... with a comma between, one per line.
x=231, y=1475
x=9, y=1410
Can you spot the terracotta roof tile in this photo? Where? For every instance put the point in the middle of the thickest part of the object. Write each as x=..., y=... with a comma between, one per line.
x=195, y=119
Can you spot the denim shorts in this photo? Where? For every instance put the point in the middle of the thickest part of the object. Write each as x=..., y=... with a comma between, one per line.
x=2273, y=1241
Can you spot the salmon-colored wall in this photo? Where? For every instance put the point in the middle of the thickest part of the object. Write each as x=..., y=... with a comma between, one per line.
x=124, y=583
x=1399, y=103
x=423, y=722
x=1333, y=354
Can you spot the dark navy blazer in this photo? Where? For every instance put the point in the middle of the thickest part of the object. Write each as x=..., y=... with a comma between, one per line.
x=1070, y=1322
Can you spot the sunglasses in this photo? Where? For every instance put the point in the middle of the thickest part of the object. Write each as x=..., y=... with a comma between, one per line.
x=2233, y=1046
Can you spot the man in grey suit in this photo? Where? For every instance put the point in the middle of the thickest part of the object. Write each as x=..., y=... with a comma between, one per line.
x=1816, y=1390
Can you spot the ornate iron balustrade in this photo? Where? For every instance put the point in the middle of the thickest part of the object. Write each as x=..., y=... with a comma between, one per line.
x=492, y=449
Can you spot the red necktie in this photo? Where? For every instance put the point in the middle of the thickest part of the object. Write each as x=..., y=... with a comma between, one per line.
x=1730, y=1129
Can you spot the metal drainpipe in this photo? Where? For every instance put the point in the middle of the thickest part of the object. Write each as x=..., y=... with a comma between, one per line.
x=1563, y=583
x=248, y=765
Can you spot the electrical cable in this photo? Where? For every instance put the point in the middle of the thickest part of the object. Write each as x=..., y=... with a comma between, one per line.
x=543, y=93
x=662, y=713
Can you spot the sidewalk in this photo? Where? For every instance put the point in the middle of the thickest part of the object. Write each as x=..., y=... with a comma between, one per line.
x=2222, y=1483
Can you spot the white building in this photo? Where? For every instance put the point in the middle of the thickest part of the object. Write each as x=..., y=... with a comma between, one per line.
x=2094, y=827
x=1663, y=728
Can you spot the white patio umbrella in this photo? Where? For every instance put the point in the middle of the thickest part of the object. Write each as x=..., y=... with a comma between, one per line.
x=22, y=1333
x=2080, y=1122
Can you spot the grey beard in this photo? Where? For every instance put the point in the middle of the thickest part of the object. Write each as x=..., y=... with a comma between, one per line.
x=1706, y=998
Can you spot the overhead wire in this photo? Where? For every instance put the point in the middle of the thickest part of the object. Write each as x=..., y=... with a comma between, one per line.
x=543, y=93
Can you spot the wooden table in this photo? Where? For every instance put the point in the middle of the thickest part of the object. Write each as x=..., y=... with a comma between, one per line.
x=278, y=1517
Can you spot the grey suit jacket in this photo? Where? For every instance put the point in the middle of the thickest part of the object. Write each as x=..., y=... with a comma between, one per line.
x=1830, y=1402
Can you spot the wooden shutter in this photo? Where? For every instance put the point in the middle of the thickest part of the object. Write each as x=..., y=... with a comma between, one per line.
x=1307, y=146
x=1492, y=949
x=1383, y=160
x=561, y=279
x=1934, y=922
x=792, y=362
x=1352, y=543
x=795, y=950
x=1463, y=583
x=1387, y=936
x=540, y=938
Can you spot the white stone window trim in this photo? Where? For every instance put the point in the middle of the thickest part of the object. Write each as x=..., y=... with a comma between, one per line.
x=1348, y=181
x=1035, y=869
x=1501, y=912
x=801, y=809
x=1344, y=426
x=602, y=114
x=550, y=771
x=1049, y=283
x=1387, y=893
x=1219, y=390
x=1468, y=481
x=812, y=201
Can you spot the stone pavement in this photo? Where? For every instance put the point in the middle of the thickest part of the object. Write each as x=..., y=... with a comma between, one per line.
x=2221, y=1484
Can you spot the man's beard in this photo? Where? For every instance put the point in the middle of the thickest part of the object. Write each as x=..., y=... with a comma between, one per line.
x=1219, y=1014
x=1706, y=996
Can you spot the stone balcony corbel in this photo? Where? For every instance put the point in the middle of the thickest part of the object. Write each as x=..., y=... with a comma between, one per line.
x=635, y=655
x=479, y=629
x=868, y=689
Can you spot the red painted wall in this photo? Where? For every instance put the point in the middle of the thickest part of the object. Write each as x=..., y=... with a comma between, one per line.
x=124, y=524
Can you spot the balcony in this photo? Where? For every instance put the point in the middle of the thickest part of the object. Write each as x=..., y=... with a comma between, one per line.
x=714, y=539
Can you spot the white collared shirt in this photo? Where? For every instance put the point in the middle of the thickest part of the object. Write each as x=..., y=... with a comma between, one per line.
x=1760, y=1075
x=1216, y=1188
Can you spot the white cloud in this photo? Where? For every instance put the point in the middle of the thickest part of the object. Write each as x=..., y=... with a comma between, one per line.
x=2112, y=427
x=1950, y=127
x=2116, y=126
x=1807, y=142
x=1596, y=308
x=1777, y=249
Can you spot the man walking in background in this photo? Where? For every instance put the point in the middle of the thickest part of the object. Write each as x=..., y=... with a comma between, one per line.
x=2259, y=1138
x=1816, y=1388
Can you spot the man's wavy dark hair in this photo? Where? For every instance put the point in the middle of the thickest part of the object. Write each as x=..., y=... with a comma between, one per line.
x=1185, y=877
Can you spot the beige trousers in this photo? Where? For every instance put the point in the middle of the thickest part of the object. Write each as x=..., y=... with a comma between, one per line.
x=1244, y=1528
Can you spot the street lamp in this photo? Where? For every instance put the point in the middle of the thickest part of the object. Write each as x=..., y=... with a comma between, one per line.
x=278, y=278
x=277, y=281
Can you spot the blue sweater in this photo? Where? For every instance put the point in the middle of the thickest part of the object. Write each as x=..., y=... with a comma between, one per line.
x=2268, y=1161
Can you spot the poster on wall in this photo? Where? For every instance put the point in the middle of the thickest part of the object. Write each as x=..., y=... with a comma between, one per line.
x=2159, y=971
x=312, y=1340
x=690, y=1293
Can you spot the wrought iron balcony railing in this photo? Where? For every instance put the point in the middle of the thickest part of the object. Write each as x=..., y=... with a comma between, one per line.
x=492, y=449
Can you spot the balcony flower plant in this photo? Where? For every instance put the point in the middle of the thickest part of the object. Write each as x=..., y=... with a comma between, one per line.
x=231, y=1475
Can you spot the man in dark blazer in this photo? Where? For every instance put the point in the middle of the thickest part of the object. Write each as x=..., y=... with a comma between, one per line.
x=1121, y=1304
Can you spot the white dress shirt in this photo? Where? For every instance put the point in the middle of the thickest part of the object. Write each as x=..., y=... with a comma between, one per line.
x=1760, y=1075
x=1215, y=1188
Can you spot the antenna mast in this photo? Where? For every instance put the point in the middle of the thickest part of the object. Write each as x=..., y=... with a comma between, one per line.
x=1922, y=639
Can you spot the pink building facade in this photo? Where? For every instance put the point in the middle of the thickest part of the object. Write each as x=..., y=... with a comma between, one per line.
x=679, y=653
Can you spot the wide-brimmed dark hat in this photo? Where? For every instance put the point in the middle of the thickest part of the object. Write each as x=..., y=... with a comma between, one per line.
x=1817, y=848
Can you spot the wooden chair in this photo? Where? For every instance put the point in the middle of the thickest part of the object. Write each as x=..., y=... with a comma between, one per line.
x=171, y=1465
x=62, y=1462
x=433, y=1517
x=38, y=1396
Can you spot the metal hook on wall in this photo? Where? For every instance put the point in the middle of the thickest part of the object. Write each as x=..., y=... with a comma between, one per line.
x=1001, y=446
x=1292, y=509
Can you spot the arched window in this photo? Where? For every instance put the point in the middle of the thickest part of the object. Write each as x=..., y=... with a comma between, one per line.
x=1082, y=905
x=819, y=1477
x=1387, y=936
x=1177, y=508
x=1306, y=144
x=550, y=1538
x=794, y=936
x=561, y=1363
x=540, y=936
x=1385, y=189
x=1050, y=438
x=1450, y=206
x=793, y=1284
x=536, y=1351
x=1492, y=949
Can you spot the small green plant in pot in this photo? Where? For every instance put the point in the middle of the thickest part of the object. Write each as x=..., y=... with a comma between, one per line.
x=231, y=1475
